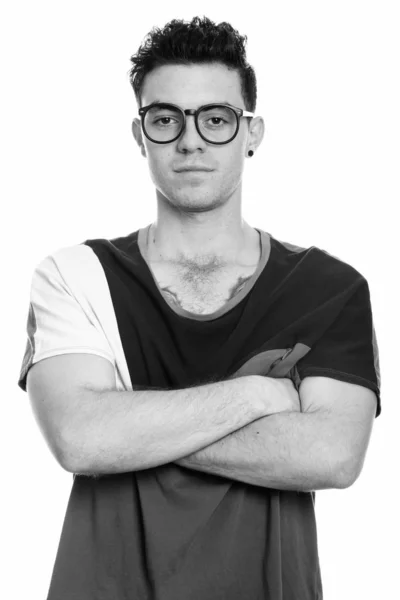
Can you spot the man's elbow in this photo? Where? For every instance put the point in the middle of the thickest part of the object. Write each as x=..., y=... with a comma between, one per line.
x=79, y=469
x=72, y=463
x=347, y=473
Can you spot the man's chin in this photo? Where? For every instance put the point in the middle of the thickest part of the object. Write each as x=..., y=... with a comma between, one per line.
x=196, y=202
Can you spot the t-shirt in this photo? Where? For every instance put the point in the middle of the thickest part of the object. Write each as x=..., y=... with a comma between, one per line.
x=171, y=532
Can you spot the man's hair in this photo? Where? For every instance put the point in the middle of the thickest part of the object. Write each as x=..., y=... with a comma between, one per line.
x=197, y=42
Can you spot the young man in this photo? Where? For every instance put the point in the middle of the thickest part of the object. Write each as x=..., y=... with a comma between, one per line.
x=199, y=377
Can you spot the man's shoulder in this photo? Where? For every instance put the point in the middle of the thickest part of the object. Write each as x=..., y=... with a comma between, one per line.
x=73, y=256
x=321, y=255
x=319, y=265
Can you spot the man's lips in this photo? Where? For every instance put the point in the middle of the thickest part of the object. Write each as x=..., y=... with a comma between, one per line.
x=191, y=169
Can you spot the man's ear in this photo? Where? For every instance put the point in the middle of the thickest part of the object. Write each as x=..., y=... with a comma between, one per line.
x=256, y=131
x=137, y=134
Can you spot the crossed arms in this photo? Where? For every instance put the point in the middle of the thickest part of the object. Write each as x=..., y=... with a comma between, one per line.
x=220, y=428
x=322, y=447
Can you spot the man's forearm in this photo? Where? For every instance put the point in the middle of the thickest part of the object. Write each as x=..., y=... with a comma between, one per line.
x=110, y=432
x=287, y=451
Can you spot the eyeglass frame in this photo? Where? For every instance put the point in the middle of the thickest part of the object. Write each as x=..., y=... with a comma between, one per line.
x=239, y=112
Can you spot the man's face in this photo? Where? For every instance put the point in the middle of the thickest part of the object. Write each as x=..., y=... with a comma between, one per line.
x=190, y=87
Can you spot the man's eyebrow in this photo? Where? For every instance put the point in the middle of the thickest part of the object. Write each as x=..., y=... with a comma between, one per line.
x=214, y=102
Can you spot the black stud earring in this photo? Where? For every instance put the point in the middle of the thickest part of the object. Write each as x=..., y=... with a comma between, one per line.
x=251, y=152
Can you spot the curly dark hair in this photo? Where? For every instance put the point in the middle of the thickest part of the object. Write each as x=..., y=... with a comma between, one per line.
x=198, y=41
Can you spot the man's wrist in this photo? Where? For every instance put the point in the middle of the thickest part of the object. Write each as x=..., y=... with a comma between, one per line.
x=275, y=395
x=263, y=395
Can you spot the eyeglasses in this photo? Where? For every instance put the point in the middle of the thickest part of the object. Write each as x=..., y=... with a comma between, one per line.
x=216, y=123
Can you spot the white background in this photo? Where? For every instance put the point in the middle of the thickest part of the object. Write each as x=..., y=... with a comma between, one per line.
x=326, y=174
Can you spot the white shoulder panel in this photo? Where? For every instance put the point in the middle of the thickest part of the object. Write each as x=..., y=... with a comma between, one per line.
x=71, y=311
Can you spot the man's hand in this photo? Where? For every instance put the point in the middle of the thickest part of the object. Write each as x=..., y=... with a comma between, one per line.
x=281, y=397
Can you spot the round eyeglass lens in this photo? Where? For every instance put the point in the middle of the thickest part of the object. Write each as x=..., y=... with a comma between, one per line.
x=163, y=123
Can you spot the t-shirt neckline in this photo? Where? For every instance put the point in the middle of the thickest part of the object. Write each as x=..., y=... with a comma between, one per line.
x=265, y=240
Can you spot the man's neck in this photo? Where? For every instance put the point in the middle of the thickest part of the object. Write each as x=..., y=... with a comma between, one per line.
x=213, y=259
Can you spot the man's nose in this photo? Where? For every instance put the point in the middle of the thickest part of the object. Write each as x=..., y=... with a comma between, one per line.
x=190, y=137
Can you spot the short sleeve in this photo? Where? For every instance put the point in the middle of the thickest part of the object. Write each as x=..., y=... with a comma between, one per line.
x=348, y=350
x=57, y=323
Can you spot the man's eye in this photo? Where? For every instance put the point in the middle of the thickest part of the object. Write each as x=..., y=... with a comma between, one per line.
x=163, y=119
x=215, y=121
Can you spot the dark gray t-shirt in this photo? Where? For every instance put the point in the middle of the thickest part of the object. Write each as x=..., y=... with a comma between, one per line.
x=172, y=533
